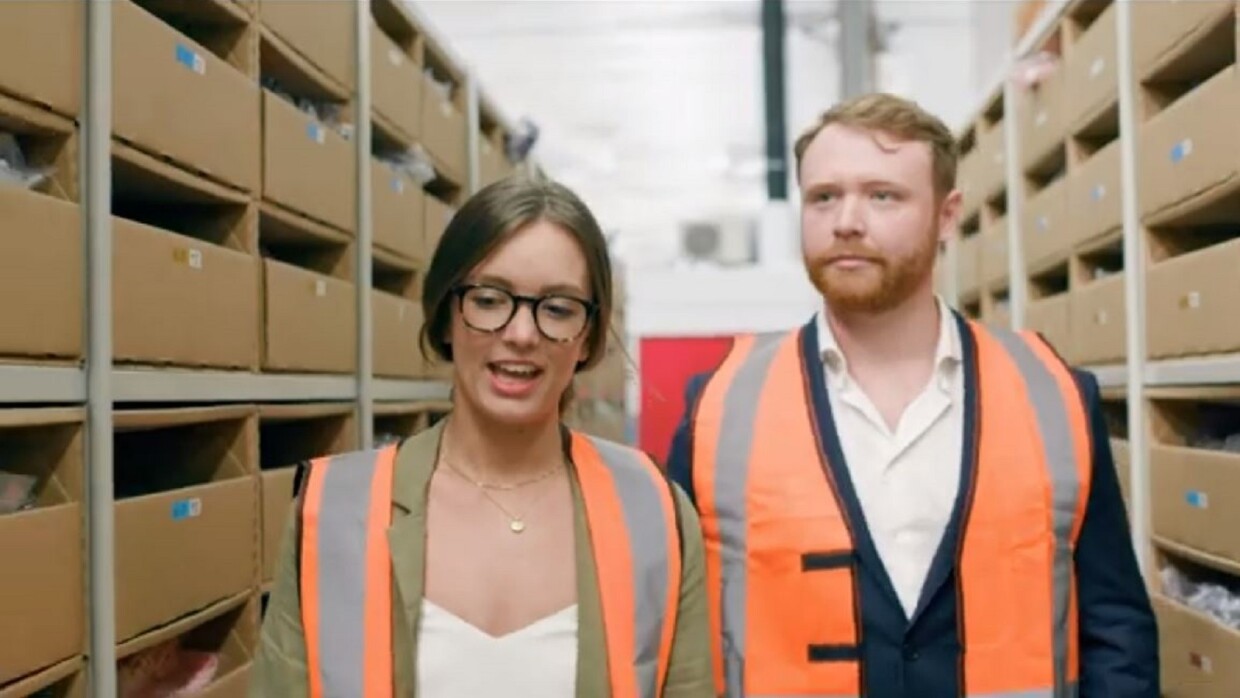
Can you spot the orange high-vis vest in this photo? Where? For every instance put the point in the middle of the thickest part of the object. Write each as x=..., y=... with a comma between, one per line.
x=785, y=606
x=346, y=580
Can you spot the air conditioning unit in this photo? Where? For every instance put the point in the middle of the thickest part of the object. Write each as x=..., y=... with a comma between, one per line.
x=726, y=242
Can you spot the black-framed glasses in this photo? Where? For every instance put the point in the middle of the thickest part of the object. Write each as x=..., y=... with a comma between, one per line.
x=559, y=317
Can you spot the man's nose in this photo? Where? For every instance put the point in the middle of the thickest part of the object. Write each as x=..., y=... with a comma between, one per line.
x=850, y=219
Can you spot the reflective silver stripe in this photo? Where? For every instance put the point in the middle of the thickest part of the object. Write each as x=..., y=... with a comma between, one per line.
x=736, y=430
x=1069, y=691
x=343, y=512
x=648, y=530
x=1054, y=427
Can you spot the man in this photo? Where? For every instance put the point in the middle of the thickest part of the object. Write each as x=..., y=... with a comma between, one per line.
x=897, y=501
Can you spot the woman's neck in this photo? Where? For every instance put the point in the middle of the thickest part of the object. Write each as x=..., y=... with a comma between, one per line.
x=499, y=453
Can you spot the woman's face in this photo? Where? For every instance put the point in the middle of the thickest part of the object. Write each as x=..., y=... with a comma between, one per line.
x=515, y=373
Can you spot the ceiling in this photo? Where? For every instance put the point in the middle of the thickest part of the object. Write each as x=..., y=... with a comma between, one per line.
x=653, y=111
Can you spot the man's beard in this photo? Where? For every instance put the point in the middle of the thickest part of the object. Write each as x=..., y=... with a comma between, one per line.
x=881, y=285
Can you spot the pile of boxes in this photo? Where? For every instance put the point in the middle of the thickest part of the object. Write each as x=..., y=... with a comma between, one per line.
x=1187, y=174
x=234, y=249
x=600, y=393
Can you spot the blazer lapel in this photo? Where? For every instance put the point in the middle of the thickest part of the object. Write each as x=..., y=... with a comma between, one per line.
x=945, y=557
x=407, y=543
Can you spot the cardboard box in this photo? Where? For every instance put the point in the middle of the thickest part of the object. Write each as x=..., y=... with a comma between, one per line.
x=173, y=98
x=1047, y=228
x=321, y=33
x=288, y=435
x=1195, y=498
x=1190, y=151
x=1187, y=296
x=1052, y=316
x=1042, y=119
x=206, y=299
x=994, y=251
x=41, y=275
x=397, y=85
x=186, y=512
x=41, y=54
x=444, y=130
x=398, y=213
x=991, y=168
x=1095, y=195
x=1122, y=456
x=438, y=215
x=308, y=167
x=1163, y=30
x=1199, y=657
x=968, y=263
x=64, y=680
x=42, y=589
x=1099, y=321
x=1091, y=73
x=493, y=160
x=311, y=321
x=397, y=324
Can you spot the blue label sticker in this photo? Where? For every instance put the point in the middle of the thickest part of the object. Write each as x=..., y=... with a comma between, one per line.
x=314, y=132
x=190, y=59
x=1196, y=499
x=1181, y=150
x=398, y=185
x=1098, y=192
x=186, y=509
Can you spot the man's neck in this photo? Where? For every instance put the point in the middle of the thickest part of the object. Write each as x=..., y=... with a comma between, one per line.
x=907, y=333
x=499, y=453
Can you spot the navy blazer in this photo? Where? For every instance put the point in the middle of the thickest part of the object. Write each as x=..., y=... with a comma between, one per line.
x=920, y=657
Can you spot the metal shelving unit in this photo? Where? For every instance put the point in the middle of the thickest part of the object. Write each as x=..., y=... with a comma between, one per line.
x=100, y=385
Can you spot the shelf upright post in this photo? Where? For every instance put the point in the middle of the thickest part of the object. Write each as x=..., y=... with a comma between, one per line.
x=1134, y=289
x=1015, y=203
x=96, y=122
x=473, y=130
x=363, y=256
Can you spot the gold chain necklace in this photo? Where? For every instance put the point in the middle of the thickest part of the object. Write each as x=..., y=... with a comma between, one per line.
x=516, y=523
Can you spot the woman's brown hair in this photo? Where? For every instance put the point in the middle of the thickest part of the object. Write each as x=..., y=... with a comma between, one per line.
x=487, y=220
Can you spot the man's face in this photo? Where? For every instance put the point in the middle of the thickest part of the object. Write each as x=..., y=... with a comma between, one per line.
x=871, y=220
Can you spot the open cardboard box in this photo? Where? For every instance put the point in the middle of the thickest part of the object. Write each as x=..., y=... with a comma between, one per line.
x=397, y=326
x=186, y=512
x=319, y=34
x=398, y=420
x=41, y=53
x=289, y=435
x=399, y=209
x=444, y=127
x=42, y=588
x=65, y=680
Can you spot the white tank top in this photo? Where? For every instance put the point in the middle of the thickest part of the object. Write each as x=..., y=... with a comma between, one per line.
x=457, y=660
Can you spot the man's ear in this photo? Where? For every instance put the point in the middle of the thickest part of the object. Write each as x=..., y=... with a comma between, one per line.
x=949, y=215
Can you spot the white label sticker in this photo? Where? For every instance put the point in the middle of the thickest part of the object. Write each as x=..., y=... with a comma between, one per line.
x=1192, y=300
x=195, y=259
x=1101, y=317
x=446, y=108
x=1096, y=68
x=395, y=56
x=320, y=288
x=1041, y=118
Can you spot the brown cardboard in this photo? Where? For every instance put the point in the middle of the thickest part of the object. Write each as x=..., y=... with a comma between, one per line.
x=444, y=130
x=42, y=589
x=1052, y=316
x=1185, y=298
x=1047, y=227
x=994, y=251
x=966, y=181
x=1122, y=457
x=1190, y=151
x=991, y=168
x=1195, y=500
x=320, y=32
x=1091, y=75
x=192, y=542
x=492, y=159
x=1163, y=30
x=308, y=167
x=397, y=85
x=438, y=215
x=65, y=680
x=174, y=98
x=41, y=263
x=1199, y=657
x=397, y=322
x=311, y=321
x=1042, y=123
x=206, y=299
x=49, y=143
x=969, y=258
x=1094, y=195
x=399, y=213
x=41, y=53
x=1099, y=319
x=277, y=487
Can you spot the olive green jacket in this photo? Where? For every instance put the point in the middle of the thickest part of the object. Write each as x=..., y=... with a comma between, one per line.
x=280, y=665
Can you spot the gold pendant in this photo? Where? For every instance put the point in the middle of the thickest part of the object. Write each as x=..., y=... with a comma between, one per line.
x=517, y=525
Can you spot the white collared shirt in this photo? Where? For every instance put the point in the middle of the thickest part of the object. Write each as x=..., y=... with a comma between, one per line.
x=906, y=479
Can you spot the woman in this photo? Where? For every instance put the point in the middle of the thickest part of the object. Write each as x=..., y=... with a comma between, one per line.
x=510, y=556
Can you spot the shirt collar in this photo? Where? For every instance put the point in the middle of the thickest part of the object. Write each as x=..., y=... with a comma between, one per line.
x=947, y=353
